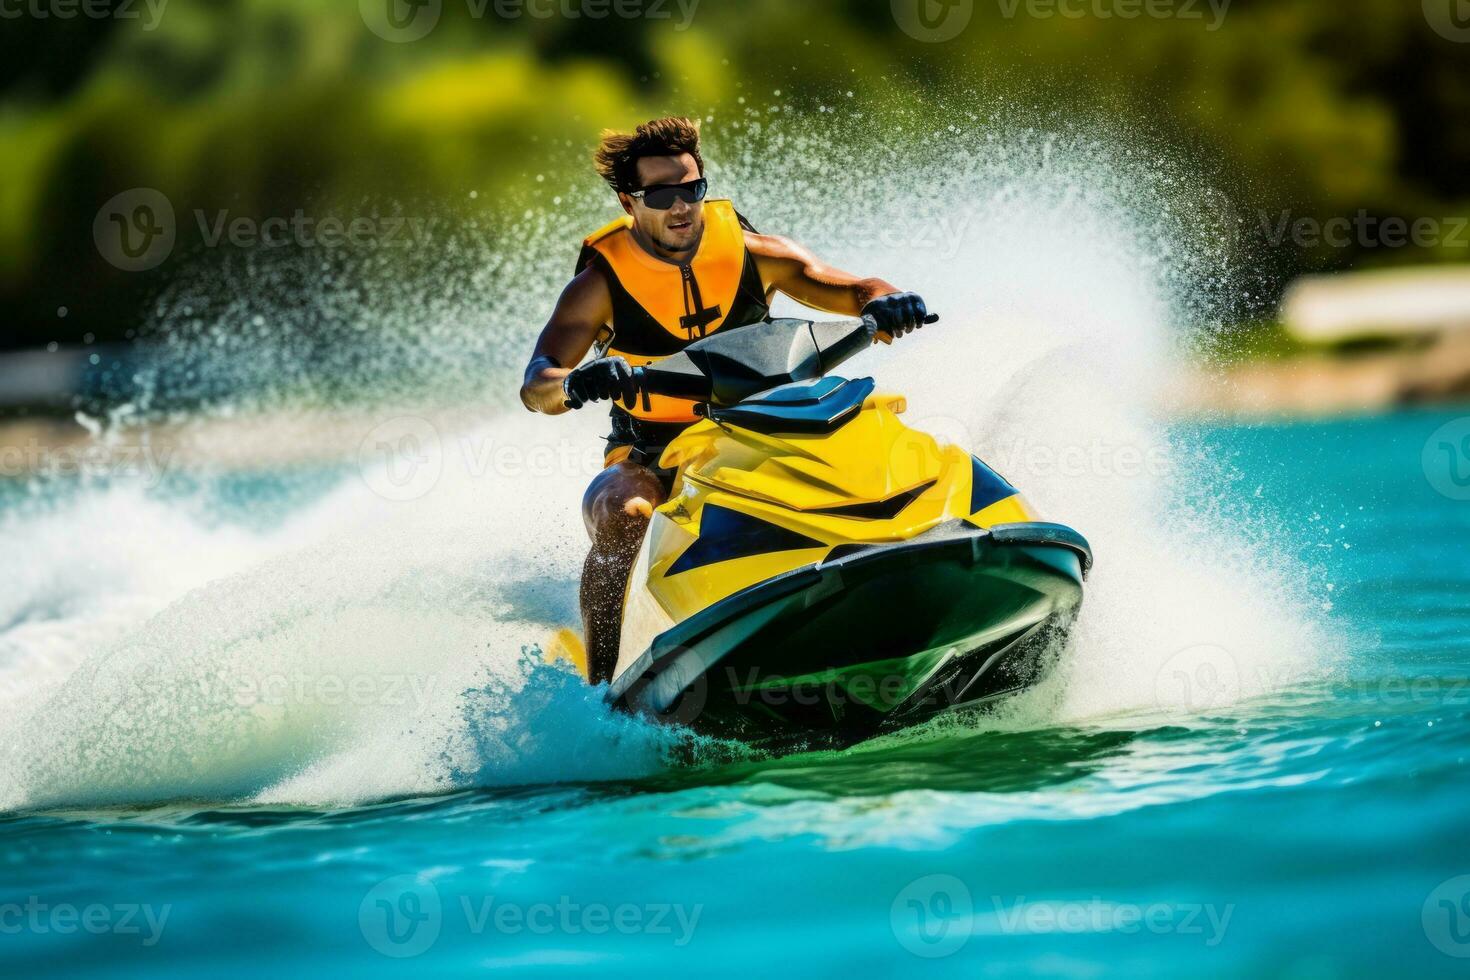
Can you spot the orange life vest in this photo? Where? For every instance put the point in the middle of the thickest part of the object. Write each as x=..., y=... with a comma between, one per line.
x=660, y=307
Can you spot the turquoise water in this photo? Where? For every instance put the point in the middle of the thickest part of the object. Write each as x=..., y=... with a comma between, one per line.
x=1303, y=821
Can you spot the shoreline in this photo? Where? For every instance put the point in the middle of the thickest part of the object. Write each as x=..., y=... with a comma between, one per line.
x=1304, y=386
x=1324, y=384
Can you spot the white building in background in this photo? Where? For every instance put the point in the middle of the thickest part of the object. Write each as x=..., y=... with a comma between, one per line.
x=1388, y=303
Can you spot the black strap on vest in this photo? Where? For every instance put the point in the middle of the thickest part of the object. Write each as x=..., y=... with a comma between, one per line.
x=699, y=316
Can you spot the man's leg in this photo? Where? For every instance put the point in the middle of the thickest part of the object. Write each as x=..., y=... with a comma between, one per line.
x=616, y=508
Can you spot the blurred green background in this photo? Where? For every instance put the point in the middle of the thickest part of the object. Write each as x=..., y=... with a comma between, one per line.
x=264, y=107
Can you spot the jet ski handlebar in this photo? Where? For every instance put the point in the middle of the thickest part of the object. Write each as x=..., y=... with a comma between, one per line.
x=731, y=366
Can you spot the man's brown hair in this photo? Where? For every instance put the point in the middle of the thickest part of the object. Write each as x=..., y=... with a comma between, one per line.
x=618, y=154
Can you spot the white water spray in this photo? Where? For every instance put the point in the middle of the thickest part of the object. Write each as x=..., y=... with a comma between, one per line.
x=373, y=643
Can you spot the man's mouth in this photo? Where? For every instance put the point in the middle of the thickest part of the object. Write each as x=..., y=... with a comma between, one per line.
x=680, y=225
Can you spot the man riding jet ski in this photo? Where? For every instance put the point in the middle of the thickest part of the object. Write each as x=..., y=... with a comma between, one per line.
x=674, y=269
x=801, y=562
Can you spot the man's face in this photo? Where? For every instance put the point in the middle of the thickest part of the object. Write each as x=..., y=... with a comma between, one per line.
x=677, y=229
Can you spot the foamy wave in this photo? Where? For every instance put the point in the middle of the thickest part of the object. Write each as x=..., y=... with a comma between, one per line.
x=386, y=657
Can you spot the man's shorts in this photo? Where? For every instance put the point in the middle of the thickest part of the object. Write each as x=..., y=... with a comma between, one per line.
x=642, y=442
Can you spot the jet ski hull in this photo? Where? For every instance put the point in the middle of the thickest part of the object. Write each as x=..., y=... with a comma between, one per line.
x=874, y=637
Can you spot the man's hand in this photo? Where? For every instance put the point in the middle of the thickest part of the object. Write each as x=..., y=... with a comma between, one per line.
x=604, y=378
x=898, y=314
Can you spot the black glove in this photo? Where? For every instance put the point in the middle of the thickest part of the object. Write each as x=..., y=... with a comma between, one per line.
x=899, y=313
x=604, y=378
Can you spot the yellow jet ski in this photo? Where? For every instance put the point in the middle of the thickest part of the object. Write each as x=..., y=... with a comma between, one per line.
x=821, y=571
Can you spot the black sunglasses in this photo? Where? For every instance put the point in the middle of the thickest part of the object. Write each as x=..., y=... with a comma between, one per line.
x=661, y=197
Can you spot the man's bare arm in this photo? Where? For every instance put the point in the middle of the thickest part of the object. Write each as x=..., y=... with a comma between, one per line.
x=795, y=271
x=584, y=308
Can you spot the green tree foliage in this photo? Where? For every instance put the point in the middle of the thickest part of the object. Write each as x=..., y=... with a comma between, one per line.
x=263, y=107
